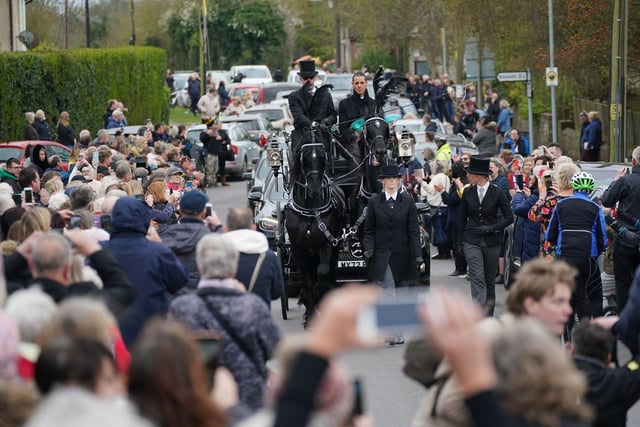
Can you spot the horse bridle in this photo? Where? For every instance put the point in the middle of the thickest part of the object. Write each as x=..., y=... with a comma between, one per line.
x=370, y=145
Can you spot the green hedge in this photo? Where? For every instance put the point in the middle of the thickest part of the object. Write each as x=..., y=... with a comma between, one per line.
x=81, y=81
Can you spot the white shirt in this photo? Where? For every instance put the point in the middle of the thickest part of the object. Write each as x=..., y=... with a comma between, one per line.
x=484, y=190
x=393, y=196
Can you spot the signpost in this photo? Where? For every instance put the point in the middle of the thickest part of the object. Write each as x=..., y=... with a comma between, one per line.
x=514, y=76
x=522, y=76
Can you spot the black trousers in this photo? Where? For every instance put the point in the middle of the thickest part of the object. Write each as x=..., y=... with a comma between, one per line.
x=625, y=261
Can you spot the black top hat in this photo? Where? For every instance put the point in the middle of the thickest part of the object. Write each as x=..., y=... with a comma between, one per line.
x=390, y=171
x=307, y=69
x=479, y=165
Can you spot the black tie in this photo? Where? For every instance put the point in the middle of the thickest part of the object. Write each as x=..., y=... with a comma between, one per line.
x=391, y=202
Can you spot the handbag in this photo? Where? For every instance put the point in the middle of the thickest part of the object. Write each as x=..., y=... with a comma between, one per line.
x=230, y=155
x=231, y=333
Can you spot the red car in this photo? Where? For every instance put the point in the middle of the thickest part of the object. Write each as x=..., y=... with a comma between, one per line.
x=17, y=149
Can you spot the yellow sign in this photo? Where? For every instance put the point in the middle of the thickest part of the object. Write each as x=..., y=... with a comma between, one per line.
x=614, y=110
x=552, y=76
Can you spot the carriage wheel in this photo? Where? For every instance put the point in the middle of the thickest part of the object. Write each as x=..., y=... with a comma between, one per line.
x=284, y=298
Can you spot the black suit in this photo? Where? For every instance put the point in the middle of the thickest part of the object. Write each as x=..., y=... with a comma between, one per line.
x=481, y=233
x=306, y=109
x=351, y=109
x=392, y=237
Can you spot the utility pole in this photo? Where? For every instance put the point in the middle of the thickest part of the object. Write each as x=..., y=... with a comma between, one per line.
x=132, y=39
x=554, y=114
x=87, y=23
x=618, y=94
x=66, y=24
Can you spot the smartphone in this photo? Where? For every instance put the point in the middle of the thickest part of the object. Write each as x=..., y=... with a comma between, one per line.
x=208, y=206
x=140, y=197
x=80, y=157
x=358, y=401
x=193, y=164
x=74, y=222
x=105, y=222
x=28, y=196
x=519, y=181
x=96, y=157
x=628, y=171
x=386, y=318
x=17, y=199
x=189, y=185
x=547, y=180
x=210, y=349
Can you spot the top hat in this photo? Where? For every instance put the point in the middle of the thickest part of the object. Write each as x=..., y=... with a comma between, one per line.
x=307, y=69
x=479, y=165
x=390, y=171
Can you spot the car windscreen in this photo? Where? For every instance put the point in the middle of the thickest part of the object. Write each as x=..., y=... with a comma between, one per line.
x=339, y=82
x=249, y=125
x=57, y=151
x=8, y=152
x=254, y=72
x=272, y=115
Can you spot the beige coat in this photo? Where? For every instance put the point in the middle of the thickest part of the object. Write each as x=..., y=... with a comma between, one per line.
x=444, y=399
x=209, y=106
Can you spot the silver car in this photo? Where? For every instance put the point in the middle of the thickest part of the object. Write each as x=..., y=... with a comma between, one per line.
x=246, y=151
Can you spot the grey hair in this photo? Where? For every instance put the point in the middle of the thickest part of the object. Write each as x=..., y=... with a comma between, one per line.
x=110, y=200
x=123, y=170
x=439, y=167
x=563, y=173
x=31, y=309
x=82, y=196
x=85, y=133
x=636, y=154
x=500, y=165
x=40, y=114
x=50, y=253
x=101, y=133
x=217, y=257
x=30, y=116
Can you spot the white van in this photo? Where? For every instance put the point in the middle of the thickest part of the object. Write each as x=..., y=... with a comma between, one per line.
x=252, y=73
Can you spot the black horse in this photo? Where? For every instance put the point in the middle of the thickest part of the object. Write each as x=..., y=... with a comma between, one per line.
x=314, y=219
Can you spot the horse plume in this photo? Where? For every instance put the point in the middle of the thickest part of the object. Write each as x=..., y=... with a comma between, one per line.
x=395, y=86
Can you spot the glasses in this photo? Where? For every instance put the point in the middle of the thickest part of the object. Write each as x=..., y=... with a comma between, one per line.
x=305, y=79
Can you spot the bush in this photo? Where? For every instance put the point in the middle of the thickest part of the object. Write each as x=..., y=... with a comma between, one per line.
x=81, y=82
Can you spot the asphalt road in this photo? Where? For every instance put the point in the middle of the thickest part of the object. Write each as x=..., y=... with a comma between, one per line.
x=389, y=395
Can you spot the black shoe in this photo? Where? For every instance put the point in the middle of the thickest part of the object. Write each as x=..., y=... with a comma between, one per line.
x=499, y=279
x=457, y=274
x=439, y=256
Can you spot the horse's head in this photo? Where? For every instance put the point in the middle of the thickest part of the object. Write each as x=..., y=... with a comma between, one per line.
x=313, y=158
x=376, y=138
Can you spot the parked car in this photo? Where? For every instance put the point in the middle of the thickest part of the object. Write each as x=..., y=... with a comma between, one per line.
x=396, y=110
x=220, y=76
x=278, y=113
x=341, y=86
x=246, y=151
x=128, y=130
x=258, y=126
x=17, y=150
x=270, y=91
x=252, y=74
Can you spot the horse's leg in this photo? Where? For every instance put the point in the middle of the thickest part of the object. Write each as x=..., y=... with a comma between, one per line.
x=326, y=271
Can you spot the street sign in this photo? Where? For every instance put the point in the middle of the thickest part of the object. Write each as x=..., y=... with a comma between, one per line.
x=516, y=76
x=552, y=76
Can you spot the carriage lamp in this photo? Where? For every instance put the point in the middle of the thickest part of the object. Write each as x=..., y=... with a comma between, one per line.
x=405, y=144
x=274, y=154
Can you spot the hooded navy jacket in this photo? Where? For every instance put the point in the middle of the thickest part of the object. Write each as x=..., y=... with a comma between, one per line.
x=152, y=267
